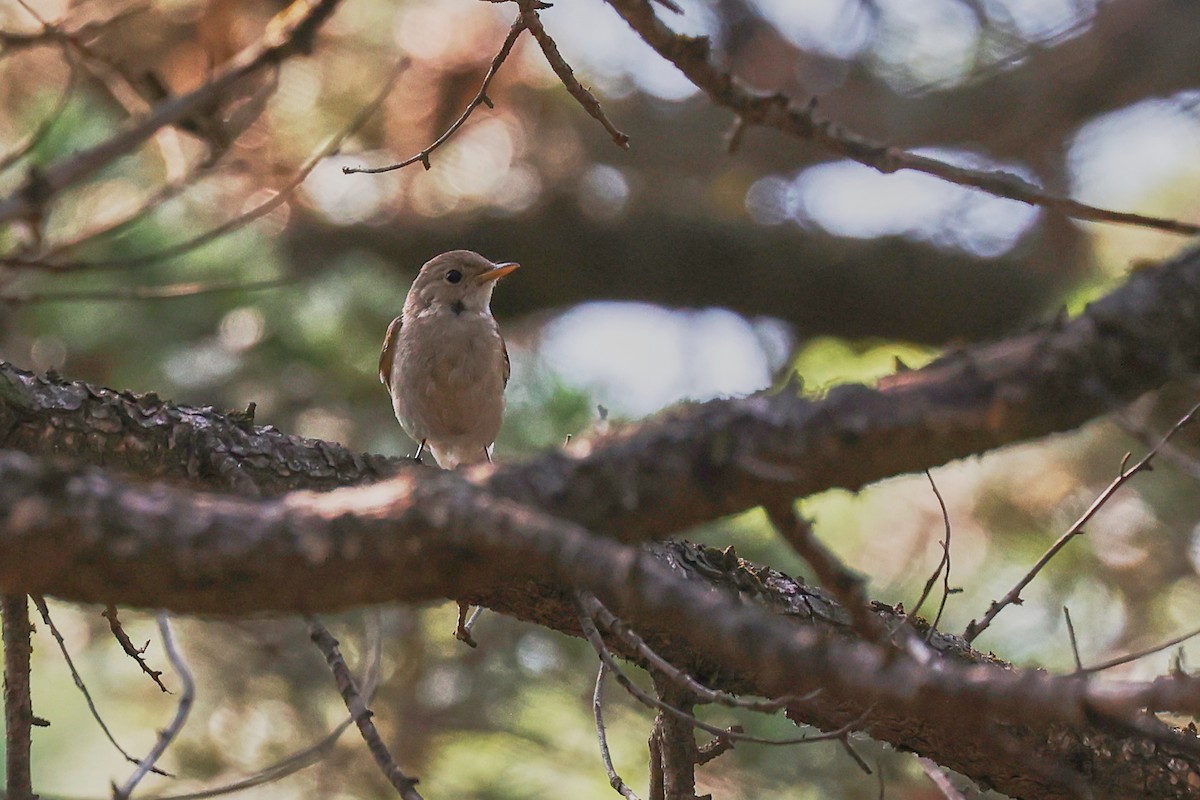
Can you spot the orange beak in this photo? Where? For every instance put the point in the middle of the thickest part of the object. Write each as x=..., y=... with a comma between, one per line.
x=497, y=272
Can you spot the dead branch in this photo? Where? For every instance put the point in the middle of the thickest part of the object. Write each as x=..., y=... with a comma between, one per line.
x=111, y=614
x=692, y=56
x=481, y=98
x=326, y=149
x=305, y=757
x=943, y=564
x=847, y=587
x=18, y=707
x=289, y=33
x=359, y=712
x=186, y=697
x=614, y=780
x=974, y=628
x=529, y=14
x=44, y=611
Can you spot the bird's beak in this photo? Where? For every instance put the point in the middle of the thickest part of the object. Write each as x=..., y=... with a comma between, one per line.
x=497, y=272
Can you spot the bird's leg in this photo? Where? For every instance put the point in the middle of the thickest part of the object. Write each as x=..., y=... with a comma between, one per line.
x=466, y=620
x=420, y=449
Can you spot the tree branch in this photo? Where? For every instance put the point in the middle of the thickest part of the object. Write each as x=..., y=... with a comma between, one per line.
x=18, y=708
x=290, y=32
x=657, y=479
x=204, y=554
x=691, y=55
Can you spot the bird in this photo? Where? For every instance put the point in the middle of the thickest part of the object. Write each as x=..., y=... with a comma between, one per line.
x=444, y=361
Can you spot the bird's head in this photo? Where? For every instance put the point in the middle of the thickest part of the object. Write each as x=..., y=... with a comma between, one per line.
x=459, y=280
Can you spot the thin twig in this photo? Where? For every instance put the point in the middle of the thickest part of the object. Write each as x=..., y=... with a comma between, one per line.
x=357, y=706
x=1125, y=473
x=40, y=603
x=562, y=69
x=328, y=148
x=1184, y=462
x=289, y=32
x=51, y=260
x=846, y=586
x=1074, y=641
x=588, y=626
x=306, y=757
x=131, y=650
x=943, y=563
x=617, y=627
x=480, y=99
x=614, y=780
x=1134, y=656
x=186, y=697
x=18, y=704
x=127, y=293
x=692, y=56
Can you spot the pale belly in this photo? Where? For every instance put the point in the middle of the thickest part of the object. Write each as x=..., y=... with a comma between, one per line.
x=450, y=389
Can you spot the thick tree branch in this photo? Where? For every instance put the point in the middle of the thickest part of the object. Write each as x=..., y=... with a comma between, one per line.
x=700, y=462
x=410, y=539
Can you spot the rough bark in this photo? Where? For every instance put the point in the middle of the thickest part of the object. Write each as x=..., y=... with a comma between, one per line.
x=700, y=462
x=86, y=536
x=81, y=535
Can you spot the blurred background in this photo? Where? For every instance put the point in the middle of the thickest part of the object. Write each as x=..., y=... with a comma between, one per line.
x=672, y=271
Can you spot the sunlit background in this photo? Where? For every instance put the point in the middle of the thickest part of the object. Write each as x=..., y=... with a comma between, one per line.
x=672, y=272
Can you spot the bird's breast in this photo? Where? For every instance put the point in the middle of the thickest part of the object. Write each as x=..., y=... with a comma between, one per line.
x=448, y=376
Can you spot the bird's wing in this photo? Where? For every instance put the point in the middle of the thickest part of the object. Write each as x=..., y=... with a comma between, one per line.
x=507, y=363
x=388, y=356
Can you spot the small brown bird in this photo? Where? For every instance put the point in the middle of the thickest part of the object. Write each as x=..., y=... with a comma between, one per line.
x=444, y=361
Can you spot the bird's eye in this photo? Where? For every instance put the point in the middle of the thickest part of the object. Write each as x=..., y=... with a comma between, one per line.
x=453, y=276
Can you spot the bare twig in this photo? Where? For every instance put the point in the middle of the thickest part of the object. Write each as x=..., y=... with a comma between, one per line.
x=328, y=148
x=588, y=626
x=845, y=585
x=186, y=697
x=944, y=563
x=1182, y=461
x=357, y=706
x=126, y=293
x=614, y=779
x=1134, y=656
x=310, y=755
x=40, y=603
x=480, y=99
x=1074, y=641
x=290, y=32
x=692, y=56
x=614, y=625
x=49, y=260
x=562, y=69
x=131, y=650
x=18, y=704
x=1014, y=594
